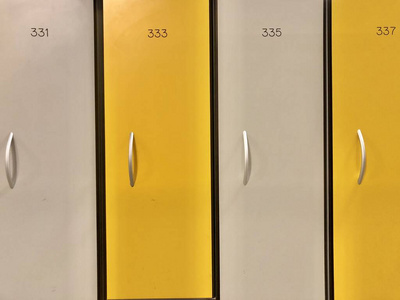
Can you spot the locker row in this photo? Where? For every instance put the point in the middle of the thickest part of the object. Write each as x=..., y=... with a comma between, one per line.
x=199, y=149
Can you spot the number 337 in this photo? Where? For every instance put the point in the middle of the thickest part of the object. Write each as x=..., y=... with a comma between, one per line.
x=385, y=30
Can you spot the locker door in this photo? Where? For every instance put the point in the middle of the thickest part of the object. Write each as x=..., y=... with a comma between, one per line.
x=365, y=73
x=48, y=219
x=271, y=86
x=157, y=110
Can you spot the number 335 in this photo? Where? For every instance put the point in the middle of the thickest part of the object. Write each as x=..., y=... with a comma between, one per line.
x=271, y=32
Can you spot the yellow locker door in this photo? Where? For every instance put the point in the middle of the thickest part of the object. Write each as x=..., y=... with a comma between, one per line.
x=366, y=97
x=157, y=86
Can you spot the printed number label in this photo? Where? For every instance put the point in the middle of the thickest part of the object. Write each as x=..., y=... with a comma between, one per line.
x=157, y=33
x=272, y=32
x=385, y=30
x=39, y=32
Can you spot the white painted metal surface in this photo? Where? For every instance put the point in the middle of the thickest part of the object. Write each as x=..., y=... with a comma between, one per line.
x=48, y=220
x=272, y=229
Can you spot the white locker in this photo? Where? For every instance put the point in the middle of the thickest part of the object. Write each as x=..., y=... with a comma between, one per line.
x=270, y=65
x=48, y=219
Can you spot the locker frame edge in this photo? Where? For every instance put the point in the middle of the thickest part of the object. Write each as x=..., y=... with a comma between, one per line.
x=100, y=150
x=328, y=152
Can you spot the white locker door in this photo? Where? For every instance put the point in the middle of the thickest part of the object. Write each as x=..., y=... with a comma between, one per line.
x=271, y=86
x=48, y=220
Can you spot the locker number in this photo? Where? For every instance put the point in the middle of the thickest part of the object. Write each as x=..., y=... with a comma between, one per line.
x=39, y=32
x=385, y=30
x=272, y=32
x=157, y=33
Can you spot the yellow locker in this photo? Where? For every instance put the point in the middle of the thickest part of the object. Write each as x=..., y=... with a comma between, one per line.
x=157, y=108
x=366, y=97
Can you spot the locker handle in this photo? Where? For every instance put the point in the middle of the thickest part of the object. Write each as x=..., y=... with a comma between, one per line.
x=131, y=173
x=11, y=178
x=246, y=159
x=363, y=157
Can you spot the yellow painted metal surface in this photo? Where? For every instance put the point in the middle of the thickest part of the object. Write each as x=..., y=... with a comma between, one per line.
x=158, y=232
x=366, y=96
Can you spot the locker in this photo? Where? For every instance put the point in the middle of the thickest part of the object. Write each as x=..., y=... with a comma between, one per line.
x=158, y=149
x=270, y=103
x=365, y=160
x=47, y=150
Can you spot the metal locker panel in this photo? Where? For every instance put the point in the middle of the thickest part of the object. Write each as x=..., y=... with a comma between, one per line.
x=48, y=220
x=365, y=93
x=158, y=161
x=271, y=87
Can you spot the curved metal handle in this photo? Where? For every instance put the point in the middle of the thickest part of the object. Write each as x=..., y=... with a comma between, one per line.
x=131, y=178
x=11, y=178
x=246, y=159
x=363, y=158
